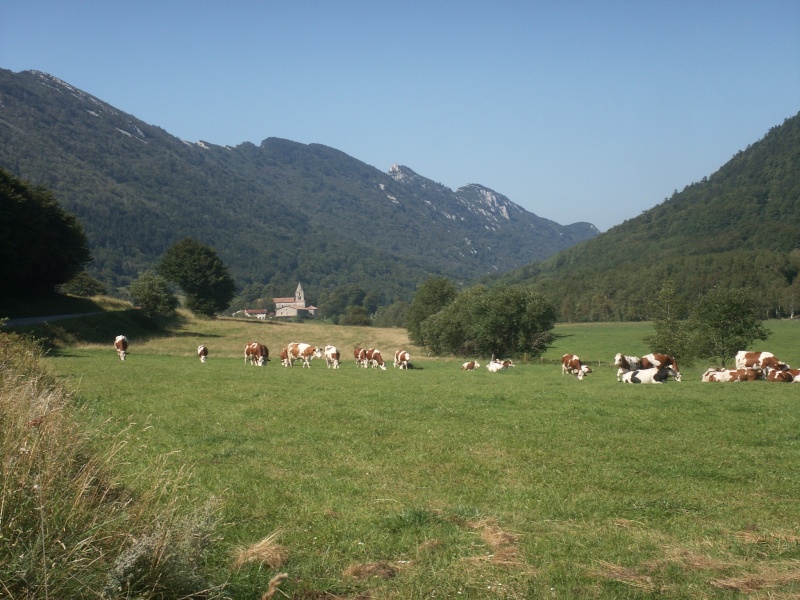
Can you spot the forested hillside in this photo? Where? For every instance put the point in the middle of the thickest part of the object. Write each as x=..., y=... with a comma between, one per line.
x=739, y=226
x=277, y=213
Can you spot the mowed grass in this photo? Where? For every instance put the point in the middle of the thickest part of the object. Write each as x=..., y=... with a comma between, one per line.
x=436, y=482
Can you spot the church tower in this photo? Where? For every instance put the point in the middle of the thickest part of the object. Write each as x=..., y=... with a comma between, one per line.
x=299, y=295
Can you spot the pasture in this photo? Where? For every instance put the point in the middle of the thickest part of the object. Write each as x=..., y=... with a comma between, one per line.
x=435, y=482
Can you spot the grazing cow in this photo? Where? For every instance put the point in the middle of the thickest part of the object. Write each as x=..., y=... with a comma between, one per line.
x=722, y=375
x=779, y=375
x=470, y=366
x=375, y=359
x=121, y=345
x=256, y=354
x=626, y=363
x=650, y=375
x=357, y=355
x=499, y=365
x=202, y=352
x=402, y=359
x=661, y=360
x=570, y=363
x=332, y=357
x=285, y=357
x=759, y=360
x=304, y=352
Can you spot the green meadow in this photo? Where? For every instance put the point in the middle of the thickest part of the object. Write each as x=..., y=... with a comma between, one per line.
x=435, y=482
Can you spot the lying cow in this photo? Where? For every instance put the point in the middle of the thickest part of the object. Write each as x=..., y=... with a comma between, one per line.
x=332, y=357
x=256, y=354
x=571, y=364
x=651, y=375
x=795, y=373
x=759, y=360
x=470, y=366
x=202, y=352
x=304, y=352
x=661, y=360
x=121, y=346
x=499, y=365
x=402, y=359
x=723, y=375
x=781, y=375
x=626, y=363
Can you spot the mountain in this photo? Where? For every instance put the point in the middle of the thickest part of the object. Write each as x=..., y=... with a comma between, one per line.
x=277, y=213
x=739, y=227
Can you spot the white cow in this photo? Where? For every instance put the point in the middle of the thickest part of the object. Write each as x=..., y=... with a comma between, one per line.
x=626, y=363
x=121, y=346
x=498, y=365
x=402, y=359
x=304, y=352
x=651, y=375
x=332, y=357
x=202, y=352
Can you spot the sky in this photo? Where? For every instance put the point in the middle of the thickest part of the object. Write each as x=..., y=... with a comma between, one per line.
x=575, y=110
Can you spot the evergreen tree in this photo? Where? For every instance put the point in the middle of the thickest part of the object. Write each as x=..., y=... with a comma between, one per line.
x=201, y=274
x=673, y=334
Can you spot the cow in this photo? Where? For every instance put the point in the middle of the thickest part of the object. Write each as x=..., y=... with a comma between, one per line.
x=499, y=365
x=121, y=346
x=661, y=360
x=304, y=352
x=626, y=363
x=285, y=357
x=357, y=355
x=202, y=352
x=256, y=354
x=649, y=375
x=332, y=357
x=723, y=375
x=402, y=359
x=470, y=366
x=759, y=360
x=375, y=359
x=570, y=363
x=795, y=373
x=782, y=375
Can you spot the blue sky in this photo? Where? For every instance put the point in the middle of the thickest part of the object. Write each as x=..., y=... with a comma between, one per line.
x=576, y=110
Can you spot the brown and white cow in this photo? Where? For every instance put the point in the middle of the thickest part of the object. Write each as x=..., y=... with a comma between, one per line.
x=795, y=373
x=202, y=352
x=649, y=375
x=375, y=359
x=470, y=365
x=285, y=357
x=121, y=346
x=626, y=363
x=402, y=359
x=661, y=360
x=759, y=360
x=357, y=355
x=256, y=354
x=723, y=375
x=496, y=365
x=304, y=352
x=332, y=357
x=782, y=375
x=570, y=363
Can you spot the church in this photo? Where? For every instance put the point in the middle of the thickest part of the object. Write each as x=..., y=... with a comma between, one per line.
x=294, y=307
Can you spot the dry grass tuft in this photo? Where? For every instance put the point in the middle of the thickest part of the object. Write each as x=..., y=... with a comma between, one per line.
x=266, y=552
x=625, y=575
x=503, y=544
x=380, y=570
x=274, y=583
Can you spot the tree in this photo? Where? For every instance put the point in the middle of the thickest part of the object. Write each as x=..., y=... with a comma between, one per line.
x=151, y=292
x=673, y=334
x=432, y=296
x=41, y=245
x=727, y=320
x=201, y=274
x=487, y=321
x=83, y=285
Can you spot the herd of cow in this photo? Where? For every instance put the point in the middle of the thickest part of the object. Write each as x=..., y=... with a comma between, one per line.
x=651, y=368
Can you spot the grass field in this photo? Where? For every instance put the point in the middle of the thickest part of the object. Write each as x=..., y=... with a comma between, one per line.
x=435, y=482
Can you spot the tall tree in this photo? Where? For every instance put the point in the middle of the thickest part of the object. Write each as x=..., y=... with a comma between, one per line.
x=41, y=245
x=727, y=320
x=673, y=333
x=151, y=292
x=201, y=274
x=432, y=296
